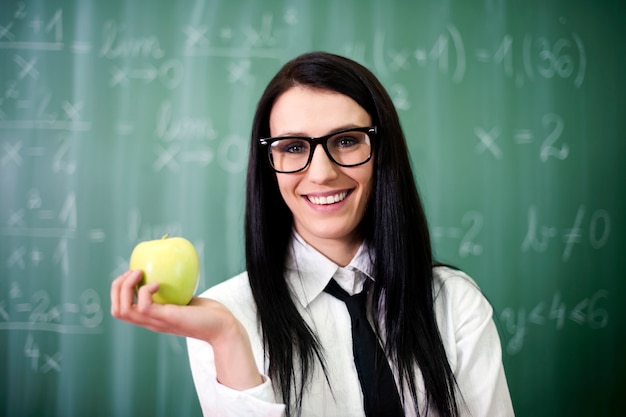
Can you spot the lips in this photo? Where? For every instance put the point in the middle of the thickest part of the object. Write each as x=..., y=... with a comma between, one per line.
x=329, y=199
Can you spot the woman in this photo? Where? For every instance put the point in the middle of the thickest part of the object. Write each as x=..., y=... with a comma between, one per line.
x=272, y=340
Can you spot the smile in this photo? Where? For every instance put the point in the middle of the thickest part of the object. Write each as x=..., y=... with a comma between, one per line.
x=330, y=199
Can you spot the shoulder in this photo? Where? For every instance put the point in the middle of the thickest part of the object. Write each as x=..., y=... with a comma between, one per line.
x=447, y=280
x=457, y=297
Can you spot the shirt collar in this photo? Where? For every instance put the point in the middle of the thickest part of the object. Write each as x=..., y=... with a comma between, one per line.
x=308, y=271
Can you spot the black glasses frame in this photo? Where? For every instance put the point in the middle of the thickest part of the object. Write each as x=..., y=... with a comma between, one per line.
x=322, y=140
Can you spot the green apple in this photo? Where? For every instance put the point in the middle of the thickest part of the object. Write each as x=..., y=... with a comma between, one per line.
x=172, y=262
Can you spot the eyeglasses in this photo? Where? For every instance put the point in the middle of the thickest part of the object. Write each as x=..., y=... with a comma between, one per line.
x=346, y=148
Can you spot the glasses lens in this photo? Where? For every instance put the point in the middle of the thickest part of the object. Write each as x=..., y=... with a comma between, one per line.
x=289, y=154
x=350, y=148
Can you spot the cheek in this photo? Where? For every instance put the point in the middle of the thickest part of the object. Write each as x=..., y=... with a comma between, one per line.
x=286, y=185
x=367, y=181
x=367, y=196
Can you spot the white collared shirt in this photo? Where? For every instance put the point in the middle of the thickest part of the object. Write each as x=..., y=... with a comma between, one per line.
x=463, y=314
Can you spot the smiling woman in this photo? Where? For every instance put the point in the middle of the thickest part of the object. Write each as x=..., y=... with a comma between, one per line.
x=335, y=234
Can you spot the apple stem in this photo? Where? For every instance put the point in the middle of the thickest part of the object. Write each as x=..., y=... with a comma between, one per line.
x=165, y=236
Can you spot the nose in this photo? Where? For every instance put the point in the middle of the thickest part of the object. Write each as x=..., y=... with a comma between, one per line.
x=321, y=168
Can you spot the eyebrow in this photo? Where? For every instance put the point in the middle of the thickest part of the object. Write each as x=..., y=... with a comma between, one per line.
x=303, y=135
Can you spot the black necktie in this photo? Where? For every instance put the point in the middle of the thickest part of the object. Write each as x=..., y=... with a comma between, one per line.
x=380, y=395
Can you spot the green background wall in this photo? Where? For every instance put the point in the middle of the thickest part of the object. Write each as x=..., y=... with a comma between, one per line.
x=123, y=120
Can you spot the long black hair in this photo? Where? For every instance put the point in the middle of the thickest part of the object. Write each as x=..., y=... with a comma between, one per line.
x=394, y=227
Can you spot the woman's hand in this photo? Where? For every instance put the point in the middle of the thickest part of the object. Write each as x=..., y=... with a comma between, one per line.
x=202, y=318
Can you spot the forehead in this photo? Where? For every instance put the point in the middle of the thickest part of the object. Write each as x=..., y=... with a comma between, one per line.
x=313, y=112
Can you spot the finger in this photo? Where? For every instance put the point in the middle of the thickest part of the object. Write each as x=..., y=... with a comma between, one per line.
x=154, y=316
x=127, y=291
x=144, y=296
x=115, y=293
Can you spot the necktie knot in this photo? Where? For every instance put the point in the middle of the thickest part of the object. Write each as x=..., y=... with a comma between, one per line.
x=334, y=289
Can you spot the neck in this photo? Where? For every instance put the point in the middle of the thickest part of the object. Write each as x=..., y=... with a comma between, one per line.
x=339, y=251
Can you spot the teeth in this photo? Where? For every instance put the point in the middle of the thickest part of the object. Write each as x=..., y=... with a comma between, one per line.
x=331, y=199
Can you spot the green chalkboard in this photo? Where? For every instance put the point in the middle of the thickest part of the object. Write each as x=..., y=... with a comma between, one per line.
x=123, y=120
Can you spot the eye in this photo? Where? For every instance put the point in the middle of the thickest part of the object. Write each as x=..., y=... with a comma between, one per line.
x=347, y=140
x=291, y=146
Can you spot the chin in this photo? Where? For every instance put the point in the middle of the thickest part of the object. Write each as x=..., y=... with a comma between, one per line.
x=329, y=233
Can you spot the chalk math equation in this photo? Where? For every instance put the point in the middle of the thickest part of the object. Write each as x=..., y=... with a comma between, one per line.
x=44, y=33
x=41, y=233
x=40, y=312
x=522, y=60
x=491, y=140
x=591, y=229
x=41, y=361
x=589, y=311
